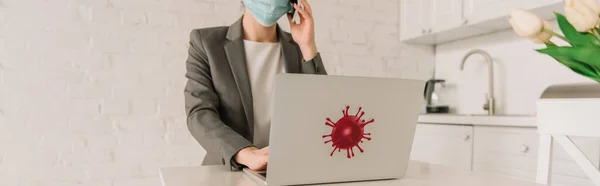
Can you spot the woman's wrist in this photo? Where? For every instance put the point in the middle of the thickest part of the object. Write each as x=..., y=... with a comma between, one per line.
x=309, y=51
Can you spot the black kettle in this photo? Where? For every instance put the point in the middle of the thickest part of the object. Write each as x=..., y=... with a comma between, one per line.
x=432, y=99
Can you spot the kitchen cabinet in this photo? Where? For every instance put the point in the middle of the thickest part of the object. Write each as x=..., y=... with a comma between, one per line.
x=506, y=151
x=512, y=152
x=481, y=11
x=449, y=145
x=415, y=18
x=499, y=150
x=565, y=171
x=445, y=14
x=423, y=17
x=440, y=21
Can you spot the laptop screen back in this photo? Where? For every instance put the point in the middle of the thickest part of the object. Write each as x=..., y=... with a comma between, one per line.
x=336, y=129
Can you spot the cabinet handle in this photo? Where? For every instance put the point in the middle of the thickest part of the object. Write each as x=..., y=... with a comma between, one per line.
x=524, y=148
x=423, y=31
x=465, y=22
x=466, y=137
x=429, y=31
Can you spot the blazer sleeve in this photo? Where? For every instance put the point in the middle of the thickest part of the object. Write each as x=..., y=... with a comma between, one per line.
x=201, y=103
x=314, y=66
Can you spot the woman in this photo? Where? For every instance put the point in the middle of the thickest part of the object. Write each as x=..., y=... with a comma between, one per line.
x=230, y=73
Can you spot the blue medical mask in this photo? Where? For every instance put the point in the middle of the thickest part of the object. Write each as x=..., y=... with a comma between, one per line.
x=267, y=12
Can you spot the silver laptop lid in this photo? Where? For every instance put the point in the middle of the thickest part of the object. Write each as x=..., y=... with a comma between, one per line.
x=335, y=129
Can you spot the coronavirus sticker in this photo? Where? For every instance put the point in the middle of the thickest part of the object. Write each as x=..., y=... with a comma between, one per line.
x=348, y=132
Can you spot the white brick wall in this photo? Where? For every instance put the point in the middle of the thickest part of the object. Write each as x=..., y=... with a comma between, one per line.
x=91, y=90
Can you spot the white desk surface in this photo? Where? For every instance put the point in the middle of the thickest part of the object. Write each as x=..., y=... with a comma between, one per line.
x=418, y=174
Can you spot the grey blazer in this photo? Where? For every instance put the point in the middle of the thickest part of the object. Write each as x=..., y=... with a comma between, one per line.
x=218, y=99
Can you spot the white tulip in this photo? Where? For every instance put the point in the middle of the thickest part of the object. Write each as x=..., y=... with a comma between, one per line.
x=543, y=37
x=582, y=16
x=593, y=4
x=530, y=26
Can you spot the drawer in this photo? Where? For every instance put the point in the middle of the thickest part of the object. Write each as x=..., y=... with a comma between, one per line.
x=449, y=145
x=512, y=152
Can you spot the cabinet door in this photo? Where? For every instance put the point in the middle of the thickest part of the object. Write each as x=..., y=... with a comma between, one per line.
x=446, y=14
x=482, y=10
x=512, y=152
x=506, y=151
x=448, y=145
x=414, y=17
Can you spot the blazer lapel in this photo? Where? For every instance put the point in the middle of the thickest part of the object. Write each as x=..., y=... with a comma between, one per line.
x=236, y=56
x=289, y=51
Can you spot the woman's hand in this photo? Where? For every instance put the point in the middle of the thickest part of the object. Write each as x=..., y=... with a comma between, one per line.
x=253, y=158
x=304, y=33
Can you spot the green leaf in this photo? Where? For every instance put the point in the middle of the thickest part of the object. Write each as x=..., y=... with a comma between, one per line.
x=588, y=55
x=575, y=38
x=578, y=64
x=579, y=68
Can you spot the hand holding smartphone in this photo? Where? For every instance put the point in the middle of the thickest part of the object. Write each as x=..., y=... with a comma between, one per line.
x=294, y=13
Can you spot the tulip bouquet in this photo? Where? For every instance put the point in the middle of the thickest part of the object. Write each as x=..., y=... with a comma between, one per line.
x=580, y=26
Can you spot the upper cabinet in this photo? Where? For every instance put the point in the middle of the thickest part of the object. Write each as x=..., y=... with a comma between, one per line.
x=415, y=15
x=445, y=14
x=493, y=14
x=481, y=10
x=439, y=21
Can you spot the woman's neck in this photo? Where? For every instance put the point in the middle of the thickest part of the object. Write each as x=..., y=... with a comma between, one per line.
x=254, y=31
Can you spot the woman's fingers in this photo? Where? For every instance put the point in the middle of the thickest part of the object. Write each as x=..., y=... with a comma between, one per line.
x=265, y=165
x=307, y=6
x=302, y=12
x=298, y=10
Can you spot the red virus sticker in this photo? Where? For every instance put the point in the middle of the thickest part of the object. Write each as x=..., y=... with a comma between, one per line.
x=348, y=132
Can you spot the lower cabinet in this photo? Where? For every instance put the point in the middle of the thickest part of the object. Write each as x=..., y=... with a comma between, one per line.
x=504, y=151
x=512, y=152
x=448, y=145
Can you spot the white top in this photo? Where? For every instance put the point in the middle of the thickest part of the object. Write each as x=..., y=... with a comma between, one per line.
x=264, y=61
x=418, y=174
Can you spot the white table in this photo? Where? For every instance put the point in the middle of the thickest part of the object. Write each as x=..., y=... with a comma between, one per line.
x=418, y=174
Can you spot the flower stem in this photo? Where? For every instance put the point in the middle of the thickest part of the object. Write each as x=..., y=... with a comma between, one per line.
x=551, y=43
x=556, y=35
x=596, y=33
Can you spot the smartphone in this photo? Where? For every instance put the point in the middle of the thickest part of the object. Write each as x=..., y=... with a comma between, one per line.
x=294, y=13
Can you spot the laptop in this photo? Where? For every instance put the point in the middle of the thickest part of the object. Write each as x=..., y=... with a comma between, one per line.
x=330, y=129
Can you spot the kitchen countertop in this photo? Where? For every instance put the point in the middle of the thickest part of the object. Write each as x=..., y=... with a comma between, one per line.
x=483, y=120
x=421, y=174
